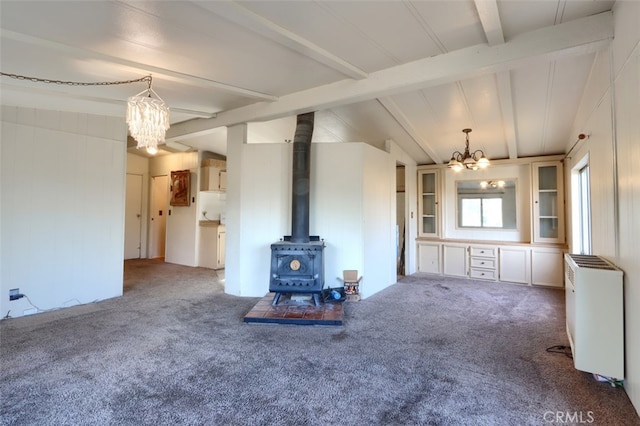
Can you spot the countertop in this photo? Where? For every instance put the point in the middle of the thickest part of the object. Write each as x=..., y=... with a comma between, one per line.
x=212, y=223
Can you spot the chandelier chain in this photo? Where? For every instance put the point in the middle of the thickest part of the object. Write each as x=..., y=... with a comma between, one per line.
x=75, y=83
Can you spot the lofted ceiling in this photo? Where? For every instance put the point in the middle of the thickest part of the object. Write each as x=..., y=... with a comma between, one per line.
x=415, y=72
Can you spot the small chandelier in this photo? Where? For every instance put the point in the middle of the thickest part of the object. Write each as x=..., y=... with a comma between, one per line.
x=148, y=119
x=460, y=161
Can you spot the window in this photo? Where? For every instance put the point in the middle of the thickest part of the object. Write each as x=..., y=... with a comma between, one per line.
x=487, y=204
x=585, y=211
x=581, y=207
x=481, y=212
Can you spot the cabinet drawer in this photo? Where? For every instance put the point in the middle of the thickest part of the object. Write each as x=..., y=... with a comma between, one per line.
x=481, y=262
x=483, y=251
x=483, y=274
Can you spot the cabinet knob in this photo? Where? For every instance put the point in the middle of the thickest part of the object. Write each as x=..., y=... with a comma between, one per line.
x=482, y=263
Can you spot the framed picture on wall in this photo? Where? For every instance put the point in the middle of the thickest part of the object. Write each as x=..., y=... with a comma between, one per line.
x=180, y=188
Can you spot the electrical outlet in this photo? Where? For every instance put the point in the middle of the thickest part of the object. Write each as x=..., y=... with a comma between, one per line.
x=14, y=294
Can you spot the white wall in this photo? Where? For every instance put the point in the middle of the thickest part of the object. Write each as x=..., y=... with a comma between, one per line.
x=379, y=226
x=213, y=202
x=337, y=207
x=616, y=232
x=411, y=202
x=258, y=199
x=62, y=183
x=258, y=211
x=626, y=54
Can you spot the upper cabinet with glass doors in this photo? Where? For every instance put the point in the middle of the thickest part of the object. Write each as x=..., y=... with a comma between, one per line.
x=548, y=202
x=428, y=203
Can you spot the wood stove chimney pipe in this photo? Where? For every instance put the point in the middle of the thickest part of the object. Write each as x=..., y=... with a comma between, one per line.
x=301, y=173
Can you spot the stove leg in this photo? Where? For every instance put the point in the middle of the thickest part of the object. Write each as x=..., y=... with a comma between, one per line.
x=276, y=299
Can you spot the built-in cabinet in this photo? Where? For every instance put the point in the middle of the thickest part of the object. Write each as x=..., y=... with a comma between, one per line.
x=429, y=257
x=455, y=259
x=548, y=202
x=428, y=203
x=483, y=262
x=531, y=252
x=547, y=266
x=213, y=179
x=513, y=263
x=211, y=250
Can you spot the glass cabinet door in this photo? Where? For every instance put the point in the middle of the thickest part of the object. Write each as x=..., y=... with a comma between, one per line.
x=548, y=202
x=428, y=203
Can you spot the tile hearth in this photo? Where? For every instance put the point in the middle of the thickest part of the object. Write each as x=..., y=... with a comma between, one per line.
x=294, y=312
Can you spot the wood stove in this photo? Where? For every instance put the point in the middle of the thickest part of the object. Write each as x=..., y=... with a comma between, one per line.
x=297, y=261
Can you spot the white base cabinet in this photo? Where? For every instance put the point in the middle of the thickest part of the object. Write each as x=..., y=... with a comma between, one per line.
x=547, y=266
x=483, y=262
x=515, y=265
x=455, y=260
x=429, y=257
x=211, y=250
x=521, y=264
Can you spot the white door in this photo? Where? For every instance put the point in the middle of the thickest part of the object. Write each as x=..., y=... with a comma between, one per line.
x=133, y=216
x=159, y=206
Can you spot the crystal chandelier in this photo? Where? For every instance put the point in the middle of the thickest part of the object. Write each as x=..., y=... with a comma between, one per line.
x=473, y=161
x=148, y=119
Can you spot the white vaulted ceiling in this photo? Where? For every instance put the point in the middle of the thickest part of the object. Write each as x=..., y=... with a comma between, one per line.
x=416, y=72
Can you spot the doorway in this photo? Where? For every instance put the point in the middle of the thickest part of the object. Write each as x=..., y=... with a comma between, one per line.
x=400, y=219
x=133, y=217
x=158, y=223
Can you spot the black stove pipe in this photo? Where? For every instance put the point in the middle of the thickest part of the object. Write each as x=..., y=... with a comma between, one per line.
x=301, y=175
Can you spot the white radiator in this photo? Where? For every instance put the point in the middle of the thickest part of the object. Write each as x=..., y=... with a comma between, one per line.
x=595, y=318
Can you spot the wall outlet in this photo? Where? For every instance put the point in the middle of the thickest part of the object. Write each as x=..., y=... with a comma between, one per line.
x=14, y=294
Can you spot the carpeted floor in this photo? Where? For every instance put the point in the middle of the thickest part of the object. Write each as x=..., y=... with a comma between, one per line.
x=174, y=350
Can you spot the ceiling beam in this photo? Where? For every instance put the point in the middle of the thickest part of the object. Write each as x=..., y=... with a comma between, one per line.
x=97, y=99
x=508, y=116
x=490, y=18
x=193, y=80
x=577, y=37
x=246, y=18
x=404, y=122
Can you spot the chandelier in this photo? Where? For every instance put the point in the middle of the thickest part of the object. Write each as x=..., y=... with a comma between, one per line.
x=148, y=119
x=473, y=161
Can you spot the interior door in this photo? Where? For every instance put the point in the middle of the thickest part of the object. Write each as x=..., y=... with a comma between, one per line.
x=158, y=226
x=133, y=216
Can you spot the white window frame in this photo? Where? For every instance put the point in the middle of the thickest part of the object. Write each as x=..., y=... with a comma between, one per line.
x=581, y=207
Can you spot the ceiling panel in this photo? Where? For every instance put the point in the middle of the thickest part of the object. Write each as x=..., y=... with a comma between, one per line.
x=247, y=59
x=529, y=86
x=564, y=102
x=455, y=24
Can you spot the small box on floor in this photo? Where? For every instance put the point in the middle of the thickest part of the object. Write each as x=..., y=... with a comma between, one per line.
x=351, y=283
